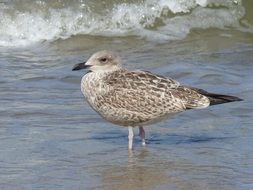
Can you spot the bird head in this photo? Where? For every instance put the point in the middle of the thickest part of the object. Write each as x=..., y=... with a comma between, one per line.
x=100, y=61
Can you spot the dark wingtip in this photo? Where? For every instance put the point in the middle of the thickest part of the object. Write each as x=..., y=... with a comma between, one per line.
x=220, y=99
x=238, y=99
x=217, y=98
x=232, y=98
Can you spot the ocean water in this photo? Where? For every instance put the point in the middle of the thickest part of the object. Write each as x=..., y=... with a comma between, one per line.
x=51, y=139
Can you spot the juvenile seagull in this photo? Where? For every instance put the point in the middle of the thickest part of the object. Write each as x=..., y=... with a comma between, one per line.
x=137, y=98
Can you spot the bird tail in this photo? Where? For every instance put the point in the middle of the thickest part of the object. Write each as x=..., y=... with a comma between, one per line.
x=217, y=98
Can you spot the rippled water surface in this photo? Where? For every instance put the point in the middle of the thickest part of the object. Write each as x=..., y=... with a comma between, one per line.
x=51, y=139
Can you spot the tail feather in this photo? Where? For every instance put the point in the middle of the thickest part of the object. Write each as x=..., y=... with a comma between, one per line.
x=217, y=98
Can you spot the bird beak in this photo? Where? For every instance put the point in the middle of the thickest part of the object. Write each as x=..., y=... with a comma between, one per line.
x=80, y=66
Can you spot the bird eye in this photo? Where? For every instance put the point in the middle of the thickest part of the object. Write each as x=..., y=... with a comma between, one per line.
x=103, y=59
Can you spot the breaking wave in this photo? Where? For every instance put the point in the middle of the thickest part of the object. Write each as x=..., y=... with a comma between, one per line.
x=27, y=22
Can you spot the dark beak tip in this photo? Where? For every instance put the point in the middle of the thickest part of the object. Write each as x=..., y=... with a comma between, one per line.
x=75, y=68
x=79, y=66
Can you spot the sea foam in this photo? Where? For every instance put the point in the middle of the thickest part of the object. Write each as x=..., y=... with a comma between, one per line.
x=159, y=20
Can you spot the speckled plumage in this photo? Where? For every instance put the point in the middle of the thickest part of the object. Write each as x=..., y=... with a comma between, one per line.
x=134, y=98
x=138, y=98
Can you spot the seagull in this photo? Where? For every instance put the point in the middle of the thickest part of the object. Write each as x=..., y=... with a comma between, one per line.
x=138, y=98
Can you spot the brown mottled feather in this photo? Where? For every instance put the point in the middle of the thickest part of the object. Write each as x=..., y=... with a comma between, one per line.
x=190, y=98
x=137, y=97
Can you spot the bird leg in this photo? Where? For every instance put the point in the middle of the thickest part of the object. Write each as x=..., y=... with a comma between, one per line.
x=142, y=135
x=130, y=138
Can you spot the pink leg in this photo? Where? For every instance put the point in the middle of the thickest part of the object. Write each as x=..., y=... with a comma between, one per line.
x=130, y=138
x=142, y=135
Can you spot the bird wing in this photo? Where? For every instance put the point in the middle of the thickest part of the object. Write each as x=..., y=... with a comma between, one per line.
x=139, y=94
x=134, y=79
x=190, y=97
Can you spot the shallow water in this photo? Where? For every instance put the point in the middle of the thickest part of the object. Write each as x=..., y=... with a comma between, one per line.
x=51, y=139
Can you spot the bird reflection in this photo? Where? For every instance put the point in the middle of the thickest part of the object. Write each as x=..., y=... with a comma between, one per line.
x=143, y=170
